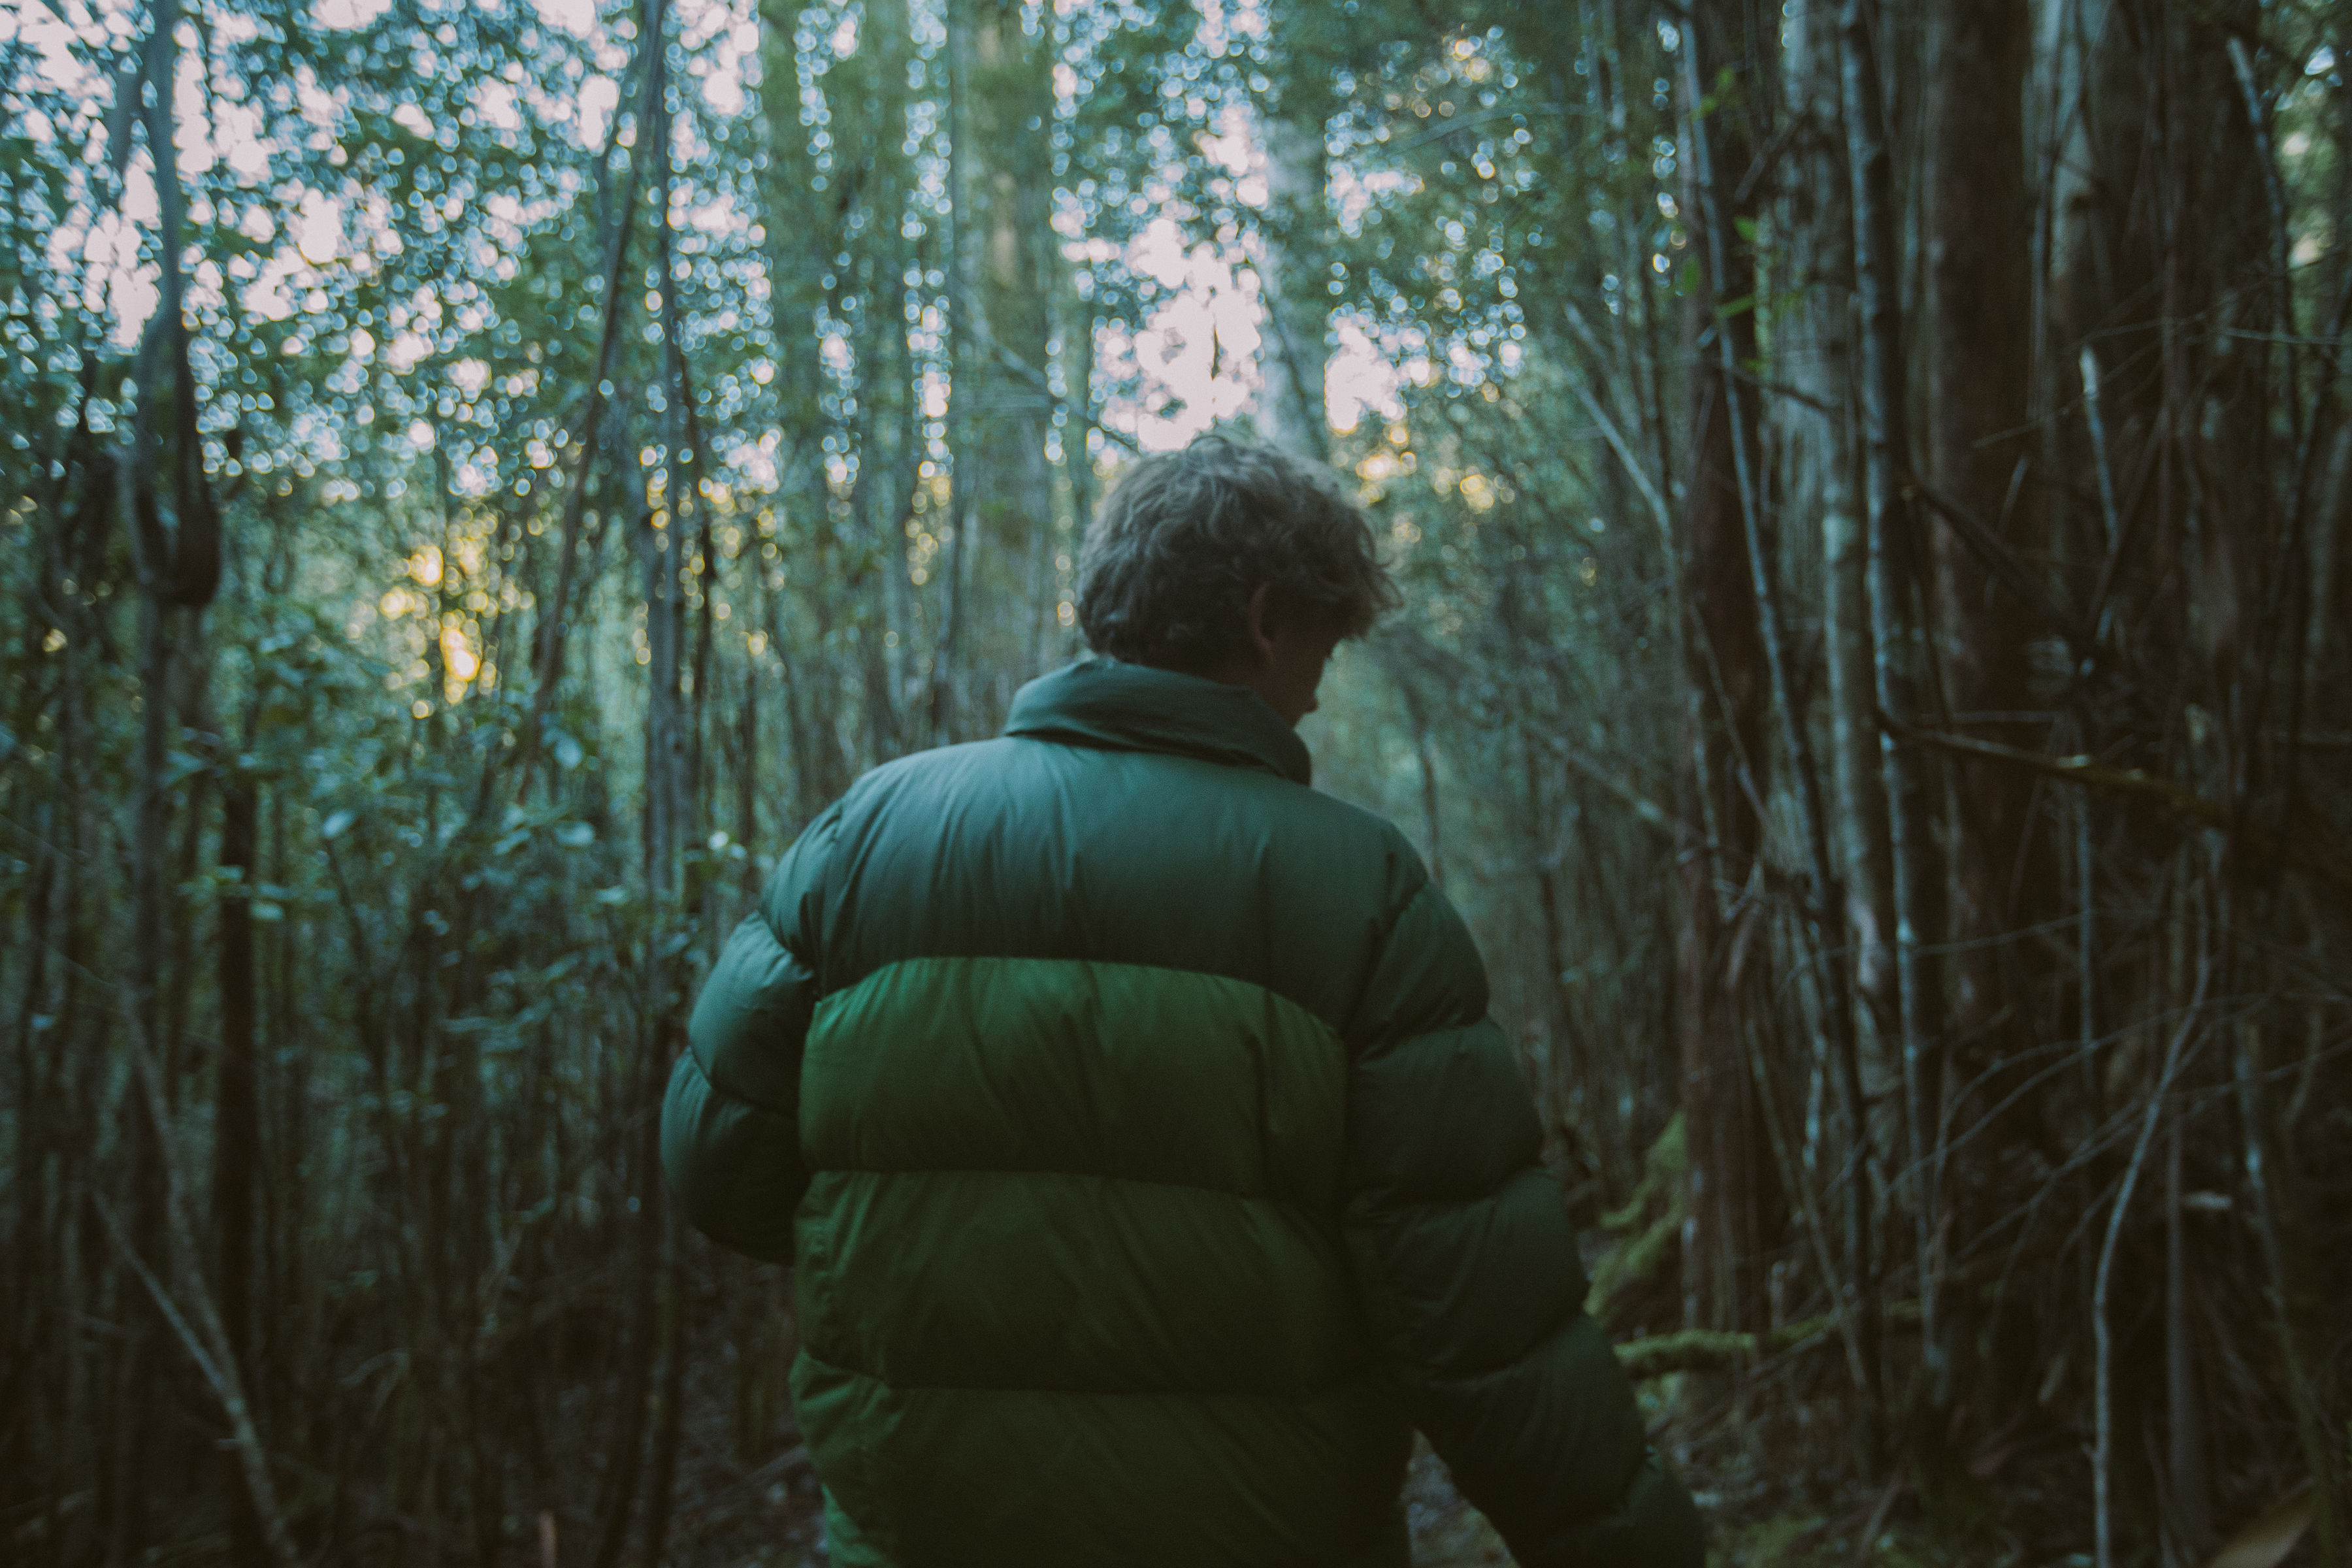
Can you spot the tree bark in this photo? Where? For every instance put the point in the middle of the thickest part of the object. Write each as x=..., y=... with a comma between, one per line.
x=236, y=1132
x=178, y=566
x=966, y=357
x=1999, y=874
x=1003, y=400
x=1895, y=630
x=1979, y=309
x=888, y=401
x=548, y=646
x=662, y=547
x=1291, y=355
x=1821, y=365
x=1725, y=742
x=663, y=534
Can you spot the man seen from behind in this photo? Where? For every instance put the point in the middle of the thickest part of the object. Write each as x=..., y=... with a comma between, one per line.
x=1131, y=1115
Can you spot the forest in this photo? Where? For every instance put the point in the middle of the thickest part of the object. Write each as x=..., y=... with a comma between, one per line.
x=1869, y=483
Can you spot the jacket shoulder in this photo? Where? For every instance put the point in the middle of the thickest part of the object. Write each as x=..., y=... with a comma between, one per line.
x=1034, y=846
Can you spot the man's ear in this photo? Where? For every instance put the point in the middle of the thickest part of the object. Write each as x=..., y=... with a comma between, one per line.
x=1261, y=620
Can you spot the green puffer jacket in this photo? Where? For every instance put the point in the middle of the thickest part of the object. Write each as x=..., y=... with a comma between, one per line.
x=1150, y=1168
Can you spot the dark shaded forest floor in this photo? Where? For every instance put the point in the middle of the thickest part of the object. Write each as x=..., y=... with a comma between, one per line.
x=755, y=1503
x=771, y=1517
x=1449, y=1533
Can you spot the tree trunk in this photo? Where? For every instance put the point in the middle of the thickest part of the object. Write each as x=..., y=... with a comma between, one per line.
x=1291, y=357
x=1894, y=627
x=236, y=1132
x=1077, y=331
x=663, y=545
x=1725, y=745
x=178, y=565
x=1426, y=758
x=620, y=209
x=887, y=399
x=1821, y=365
x=1010, y=122
x=1980, y=309
x=662, y=535
x=152, y=838
x=966, y=359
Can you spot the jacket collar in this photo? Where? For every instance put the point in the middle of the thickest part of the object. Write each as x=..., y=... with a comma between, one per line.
x=1135, y=707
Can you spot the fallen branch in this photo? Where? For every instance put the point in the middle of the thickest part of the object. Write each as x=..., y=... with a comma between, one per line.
x=219, y=1370
x=1623, y=1273
x=1713, y=1349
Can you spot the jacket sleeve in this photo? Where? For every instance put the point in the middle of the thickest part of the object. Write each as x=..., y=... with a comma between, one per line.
x=730, y=1123
x=1468, y=1268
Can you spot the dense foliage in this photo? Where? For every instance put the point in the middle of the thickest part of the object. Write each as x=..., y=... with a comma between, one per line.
x=1871, y=481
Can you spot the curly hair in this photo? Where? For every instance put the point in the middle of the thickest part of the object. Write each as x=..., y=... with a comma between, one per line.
x=1185, y=539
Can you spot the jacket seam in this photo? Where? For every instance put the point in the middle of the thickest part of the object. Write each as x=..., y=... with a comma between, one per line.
x=824, y=996
x=1368, y=1372
x=1335, y=1211
x=711, y=1080
x=1365, y=1045
x=1438, y=1378
x=1424, y=1207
